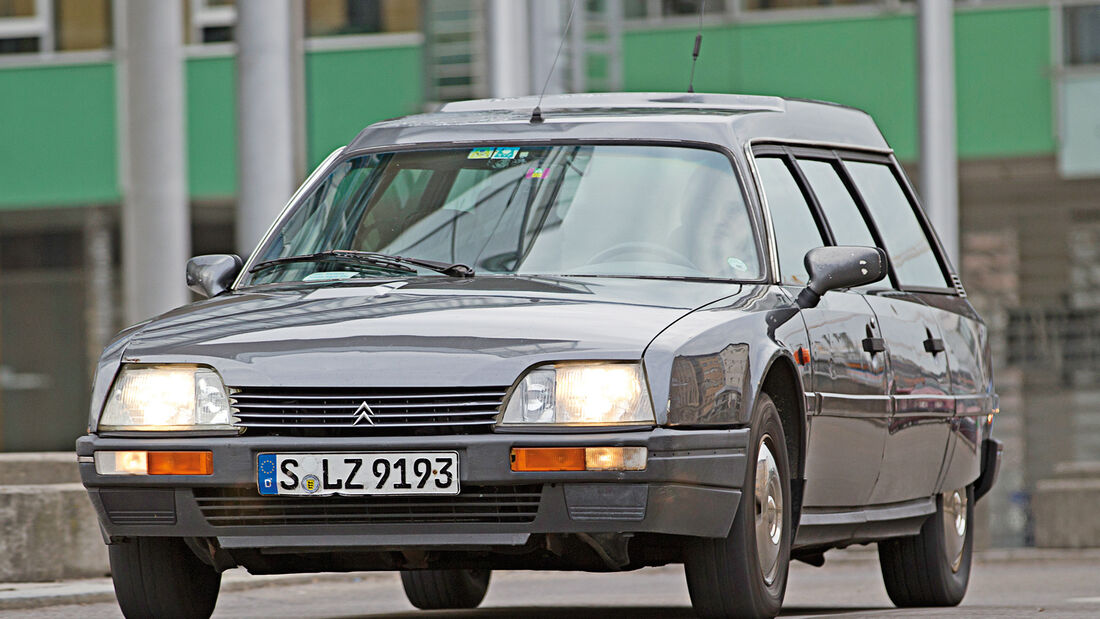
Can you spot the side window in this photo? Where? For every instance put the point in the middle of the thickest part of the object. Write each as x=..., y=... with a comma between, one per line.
x=910, y=252
x=796, y=232
x=838, y=205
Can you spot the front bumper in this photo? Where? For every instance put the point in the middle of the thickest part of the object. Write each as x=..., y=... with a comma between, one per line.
x=690, y=486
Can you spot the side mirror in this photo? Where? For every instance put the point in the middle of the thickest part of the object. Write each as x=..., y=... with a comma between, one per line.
x=212, y=275
x=831, y=268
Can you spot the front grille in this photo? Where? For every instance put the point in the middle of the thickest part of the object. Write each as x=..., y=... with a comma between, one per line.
x=228, y=507
x=366, y=412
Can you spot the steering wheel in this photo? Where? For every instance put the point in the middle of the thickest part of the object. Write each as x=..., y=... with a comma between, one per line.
x=642, y=247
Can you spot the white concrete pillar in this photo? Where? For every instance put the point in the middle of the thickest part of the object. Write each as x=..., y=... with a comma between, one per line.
x=546, y=23
x=265, y=116
x=939, y=174
x=509, y=47
x=156, y=223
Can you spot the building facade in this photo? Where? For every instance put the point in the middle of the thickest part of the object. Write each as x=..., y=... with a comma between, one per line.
x=1028, y=117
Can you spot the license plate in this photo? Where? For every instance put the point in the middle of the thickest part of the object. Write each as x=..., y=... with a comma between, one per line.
x=357, y=474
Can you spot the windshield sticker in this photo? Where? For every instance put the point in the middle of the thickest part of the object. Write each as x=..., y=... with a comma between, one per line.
x=737, y=264
x=506, y=152
x=537, y=173
x=325, y=276
x=480, y=153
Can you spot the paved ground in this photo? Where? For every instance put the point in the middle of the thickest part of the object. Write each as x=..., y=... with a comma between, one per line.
x=1024, y=584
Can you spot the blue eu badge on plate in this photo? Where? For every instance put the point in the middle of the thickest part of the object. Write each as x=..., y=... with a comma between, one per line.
x=265, y=474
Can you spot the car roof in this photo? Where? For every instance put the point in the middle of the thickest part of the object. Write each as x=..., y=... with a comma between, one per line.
x=727, y=120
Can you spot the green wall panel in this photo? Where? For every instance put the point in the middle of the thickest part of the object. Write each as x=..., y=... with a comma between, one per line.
x=57, y=137
x=1004, y=93
x=349, y=89
x=345, y=91
x=212, y=127
x=1003, y=85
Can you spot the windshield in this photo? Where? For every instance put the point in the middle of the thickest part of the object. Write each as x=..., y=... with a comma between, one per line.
x=548, y=210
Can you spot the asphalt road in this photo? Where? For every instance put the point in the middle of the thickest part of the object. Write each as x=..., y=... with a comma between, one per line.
x=1005, y=587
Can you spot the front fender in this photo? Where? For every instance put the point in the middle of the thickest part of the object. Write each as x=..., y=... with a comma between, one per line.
x=706, y=368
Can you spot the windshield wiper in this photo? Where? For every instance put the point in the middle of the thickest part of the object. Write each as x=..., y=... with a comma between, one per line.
x=372, y=258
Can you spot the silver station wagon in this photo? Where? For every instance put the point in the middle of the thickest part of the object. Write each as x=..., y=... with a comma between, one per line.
x=628, y=330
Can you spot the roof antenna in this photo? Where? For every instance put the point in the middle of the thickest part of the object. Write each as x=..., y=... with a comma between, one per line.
x=536, y=114
x=698, y=45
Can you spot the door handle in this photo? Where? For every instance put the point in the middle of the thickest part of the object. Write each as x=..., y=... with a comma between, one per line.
x=874, y=345
x=933, y=345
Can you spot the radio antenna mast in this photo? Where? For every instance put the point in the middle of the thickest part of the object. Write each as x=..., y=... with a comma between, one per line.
x=536, y=114
x=698, y=45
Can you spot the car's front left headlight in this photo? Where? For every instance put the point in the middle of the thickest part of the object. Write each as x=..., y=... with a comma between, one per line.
x=580, y=394
x=167, y=397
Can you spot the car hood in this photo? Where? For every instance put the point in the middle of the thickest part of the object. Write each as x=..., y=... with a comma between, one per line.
x=426, y=331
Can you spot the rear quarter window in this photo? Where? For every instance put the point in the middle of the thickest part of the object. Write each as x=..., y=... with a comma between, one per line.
x=910, y=251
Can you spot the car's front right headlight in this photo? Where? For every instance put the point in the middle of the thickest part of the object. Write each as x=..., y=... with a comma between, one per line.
x=580, y=394
x=166, y=398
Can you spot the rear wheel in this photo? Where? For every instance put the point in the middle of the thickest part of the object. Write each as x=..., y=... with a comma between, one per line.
x=745, y=573
x=441, y=589
x=932, y=568
x=161, y=577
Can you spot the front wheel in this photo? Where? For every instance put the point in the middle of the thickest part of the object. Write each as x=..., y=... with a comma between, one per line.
x=933, y=567
x=445, y=589
x=745, y=573
x=161, y=577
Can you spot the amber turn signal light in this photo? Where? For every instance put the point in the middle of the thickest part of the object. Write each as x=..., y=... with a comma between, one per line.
x=181, y=463
x=548, y=459
x=579, y=458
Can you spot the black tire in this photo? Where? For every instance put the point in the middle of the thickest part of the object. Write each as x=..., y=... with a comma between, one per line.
x=160, y=577
x=917, y=570
x=445, y=589
x=724, y=575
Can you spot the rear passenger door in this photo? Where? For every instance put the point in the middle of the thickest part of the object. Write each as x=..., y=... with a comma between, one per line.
x=847, y=426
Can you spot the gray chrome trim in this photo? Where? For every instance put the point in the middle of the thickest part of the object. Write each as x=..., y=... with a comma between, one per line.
x=882, y=513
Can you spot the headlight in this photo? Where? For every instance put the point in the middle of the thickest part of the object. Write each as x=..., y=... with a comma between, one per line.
x=167, y=397
x=580, y=394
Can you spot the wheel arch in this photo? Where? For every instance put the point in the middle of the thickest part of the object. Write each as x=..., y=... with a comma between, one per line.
x=783, y=384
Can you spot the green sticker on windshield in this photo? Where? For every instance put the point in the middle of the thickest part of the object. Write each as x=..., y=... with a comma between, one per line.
x=480, y=153
x=506, y=152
